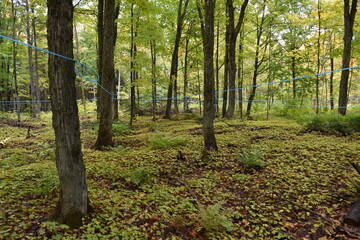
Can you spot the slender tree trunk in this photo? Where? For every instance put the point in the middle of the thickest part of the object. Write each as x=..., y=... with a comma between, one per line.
x=318, y=59
x=349, y=18
x=174, y=59
x=30, y=62
x=100, y=31
x=199, y=88
x=153, y=76
x=207, y=30
x=36, y=68
x=73, y=200
x=132, y=66
x=18, y=107
x=186, y=109
x=293, y=72
x=217, y=69
x=332, y=83
x=80, y=80
x=108, y=75
x=233, y=34
x=117, y=78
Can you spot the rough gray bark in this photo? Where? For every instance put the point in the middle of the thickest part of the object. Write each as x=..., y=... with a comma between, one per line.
x=73, y=199
x=108, y=75
x=207, y=31
x=349, y=18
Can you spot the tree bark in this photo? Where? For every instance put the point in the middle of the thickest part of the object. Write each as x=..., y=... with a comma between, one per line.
x=18, y=107
x=108, y=75
x=186, y=105
x=207, y=30
x=100, y=32
x=233, y=34
x=153, y=77
x=349, y=18
x=175, y=55
x=73, y=200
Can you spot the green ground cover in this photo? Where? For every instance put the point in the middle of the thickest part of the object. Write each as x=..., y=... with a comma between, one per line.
x=156, y=183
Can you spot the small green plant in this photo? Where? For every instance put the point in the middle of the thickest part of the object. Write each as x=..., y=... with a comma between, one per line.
x=251, y=158
x=138, y=176
x=214, y=217
x=121, y=128
x=166, y=142
x=194, y=116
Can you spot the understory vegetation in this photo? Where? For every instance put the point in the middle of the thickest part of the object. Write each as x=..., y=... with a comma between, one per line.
x=266, y=181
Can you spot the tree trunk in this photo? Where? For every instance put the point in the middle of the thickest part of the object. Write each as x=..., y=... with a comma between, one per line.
x=73, y=200
x=207, y=30
x=100, y=31
x=318, y=59
x=30, y=62
x=349, y=18
x=153, y=76
x=78, y=56
x=175, y=56
x=18, y=107
x=217, y=68
x=233, y=34
x=186, y=105
x=332, y=83
x=108, y=75
x=36, y=68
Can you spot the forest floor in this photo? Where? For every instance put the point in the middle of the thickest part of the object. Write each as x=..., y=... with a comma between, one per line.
x=156, y=183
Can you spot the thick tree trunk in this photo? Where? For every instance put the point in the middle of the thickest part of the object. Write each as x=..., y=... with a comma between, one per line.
x=207, y=28
x=73, y=200
x=108, y=75
x=349, y=18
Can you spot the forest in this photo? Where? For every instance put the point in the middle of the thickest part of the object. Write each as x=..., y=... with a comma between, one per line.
x=179, y=119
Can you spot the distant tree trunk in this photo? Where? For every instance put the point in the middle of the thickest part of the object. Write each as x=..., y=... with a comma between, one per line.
x=349, y=18
x=332, y=82
x=153, y=76
x=78, y=56
x=318, y=59
x=217, y=68
x=133, y=74
x=175, y=55
x=233, y=34
x=293, y=71
x=30, y=62
x=18, y=107
x=199, y=88
x=100, y=31
x=73, y=199
x=116, y=100
x=117, y=78
x=186, y=105
x=108, y=75
x=258, y=62
x=207, y=30
x=241, y=74
x=226, y=73
x=36, y=67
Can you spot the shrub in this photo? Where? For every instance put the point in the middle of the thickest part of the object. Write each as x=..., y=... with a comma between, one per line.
x=333, y=123
x=251, y=158
x=166, y=142
x=138, y=176
x=121, y=128
x=215, y=218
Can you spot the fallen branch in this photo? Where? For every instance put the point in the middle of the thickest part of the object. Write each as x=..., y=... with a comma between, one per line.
x=192, y=193
x=2, y=143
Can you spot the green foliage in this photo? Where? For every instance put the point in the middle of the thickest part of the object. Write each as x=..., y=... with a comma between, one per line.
x=213, y=217
x=194, y=116
x=332, y=123
x=251, y=158
x=121, y=128
x=139, y=175
x=161, y=141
